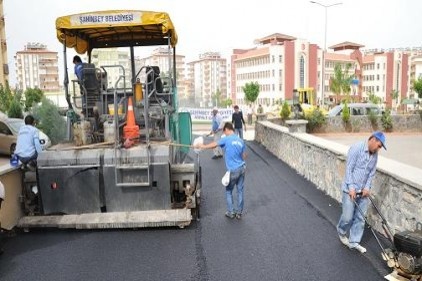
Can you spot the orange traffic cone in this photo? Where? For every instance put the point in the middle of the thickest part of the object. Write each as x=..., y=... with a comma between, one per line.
x=130, y=130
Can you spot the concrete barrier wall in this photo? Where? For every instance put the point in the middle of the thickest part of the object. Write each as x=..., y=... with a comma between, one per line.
x=397, y=187
x=11, y=210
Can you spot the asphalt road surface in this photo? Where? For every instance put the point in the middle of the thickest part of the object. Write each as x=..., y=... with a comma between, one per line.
x=287, y=233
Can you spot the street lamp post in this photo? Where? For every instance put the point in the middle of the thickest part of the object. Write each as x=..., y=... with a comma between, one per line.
x=325, y=48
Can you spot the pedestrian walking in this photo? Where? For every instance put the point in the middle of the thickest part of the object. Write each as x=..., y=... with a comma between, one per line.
x=361, y=165
x=217, y=131
x=235, y=156
x=249, y=113
x=238, y=121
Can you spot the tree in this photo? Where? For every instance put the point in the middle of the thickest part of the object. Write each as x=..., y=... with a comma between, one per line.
x=395, y=95
x=417, y=87
x=15, y=109
x=6, y=97
x=227, y=102
x=50, y=121
x=217, y=97
x=285, y=111
x=251, y=91
x=374, y=98
x=340, y=82
x=32, y=96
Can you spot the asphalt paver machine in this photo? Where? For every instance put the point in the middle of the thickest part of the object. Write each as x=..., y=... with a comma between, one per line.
x=127, y=163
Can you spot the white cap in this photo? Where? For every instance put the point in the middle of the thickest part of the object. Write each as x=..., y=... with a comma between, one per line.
x=215, y=108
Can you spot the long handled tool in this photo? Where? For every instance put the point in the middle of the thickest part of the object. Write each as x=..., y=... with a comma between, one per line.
x=386, y=253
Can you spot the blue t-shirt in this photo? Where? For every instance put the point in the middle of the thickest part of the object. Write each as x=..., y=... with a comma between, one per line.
x=234, y=147
x=78, y=71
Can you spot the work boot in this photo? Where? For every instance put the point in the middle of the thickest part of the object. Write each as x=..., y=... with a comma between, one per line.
x=230, y=215
x=359, y=248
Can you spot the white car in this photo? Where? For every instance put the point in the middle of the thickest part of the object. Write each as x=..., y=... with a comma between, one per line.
x=9, y=129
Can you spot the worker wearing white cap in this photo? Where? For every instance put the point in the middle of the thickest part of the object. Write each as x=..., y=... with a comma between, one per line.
x=217, y=130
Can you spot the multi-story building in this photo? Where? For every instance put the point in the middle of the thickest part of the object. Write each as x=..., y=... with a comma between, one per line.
x=37, y=67
x=280, y=64
x=207, y=79
x=160, y=57
x=283, y=64
x=4, y=70
x=116, y=63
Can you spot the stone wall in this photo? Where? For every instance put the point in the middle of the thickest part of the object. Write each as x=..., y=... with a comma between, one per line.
x=397, y=188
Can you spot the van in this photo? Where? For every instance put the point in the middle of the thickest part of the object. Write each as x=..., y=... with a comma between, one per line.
x=356, y=109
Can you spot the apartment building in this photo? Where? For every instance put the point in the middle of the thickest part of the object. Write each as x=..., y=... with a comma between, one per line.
x=280, y=64
x=160, y=57
x=283, y=64
x=37, y=67
x=115, y=61
x=4, y=70
x=206, y=79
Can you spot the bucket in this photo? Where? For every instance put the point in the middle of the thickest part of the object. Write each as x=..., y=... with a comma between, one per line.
x=109, y=131
x=111, y=109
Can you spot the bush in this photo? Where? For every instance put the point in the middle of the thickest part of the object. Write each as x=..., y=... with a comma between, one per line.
x=15, y=109
x=285, y=111
x=345, y=114
x=373, y=119
x=316, y=119
x=50, y=121
x=387, y=120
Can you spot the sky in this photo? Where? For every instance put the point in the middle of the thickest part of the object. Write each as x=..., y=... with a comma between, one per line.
x=224, y=25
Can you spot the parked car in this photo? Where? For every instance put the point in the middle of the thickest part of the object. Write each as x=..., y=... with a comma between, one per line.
x=356, y=109
x=9, y=129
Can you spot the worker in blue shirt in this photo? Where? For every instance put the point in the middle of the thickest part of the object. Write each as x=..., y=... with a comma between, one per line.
x=235, y=155
x=78, y=67
x=28, y=144
x=361, y=165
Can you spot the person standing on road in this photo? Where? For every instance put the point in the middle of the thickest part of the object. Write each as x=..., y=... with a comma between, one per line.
x=1, y=202
x=361, y=165
x=238, y=121
x=28, y=143
x=216, y=130
x=235, y=156
x=249, y=114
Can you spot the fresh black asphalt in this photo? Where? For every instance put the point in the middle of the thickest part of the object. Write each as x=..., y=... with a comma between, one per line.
x=287, y=233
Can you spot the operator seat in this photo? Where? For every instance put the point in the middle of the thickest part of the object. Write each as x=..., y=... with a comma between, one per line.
x=155, y=85
x=90, y=88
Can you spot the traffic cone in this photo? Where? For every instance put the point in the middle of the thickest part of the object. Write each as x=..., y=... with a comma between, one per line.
x=130, y=130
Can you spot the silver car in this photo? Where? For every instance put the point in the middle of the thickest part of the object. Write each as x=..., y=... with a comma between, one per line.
x=356, y=109
x=9, y=129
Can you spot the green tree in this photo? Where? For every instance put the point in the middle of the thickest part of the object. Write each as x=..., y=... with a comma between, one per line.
x=251, y=91
x=285, y=111
x=6, y=97
x=227, y=102
x=395, y=97
x=217, y=97
x=417, y=87
x=50, y=121
x=32, y=96
x=374, y=98
x=15, y=109
x=345, y=113
x=340, y=82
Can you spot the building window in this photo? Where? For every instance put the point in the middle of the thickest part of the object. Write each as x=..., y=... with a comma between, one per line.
x=280, y=58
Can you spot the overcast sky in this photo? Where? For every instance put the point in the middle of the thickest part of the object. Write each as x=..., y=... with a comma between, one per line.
x=222, y=25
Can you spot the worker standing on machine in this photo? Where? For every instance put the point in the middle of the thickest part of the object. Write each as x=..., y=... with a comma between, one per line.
x=361, y=165
x=28, y=143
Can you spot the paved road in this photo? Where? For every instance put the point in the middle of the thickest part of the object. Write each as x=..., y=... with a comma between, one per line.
x=287, y=233
x=402, y=147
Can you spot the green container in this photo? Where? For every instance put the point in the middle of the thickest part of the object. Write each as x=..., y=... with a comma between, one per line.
x=185, y=130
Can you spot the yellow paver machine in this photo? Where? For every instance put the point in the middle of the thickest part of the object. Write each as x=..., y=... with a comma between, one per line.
x=127, y=163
